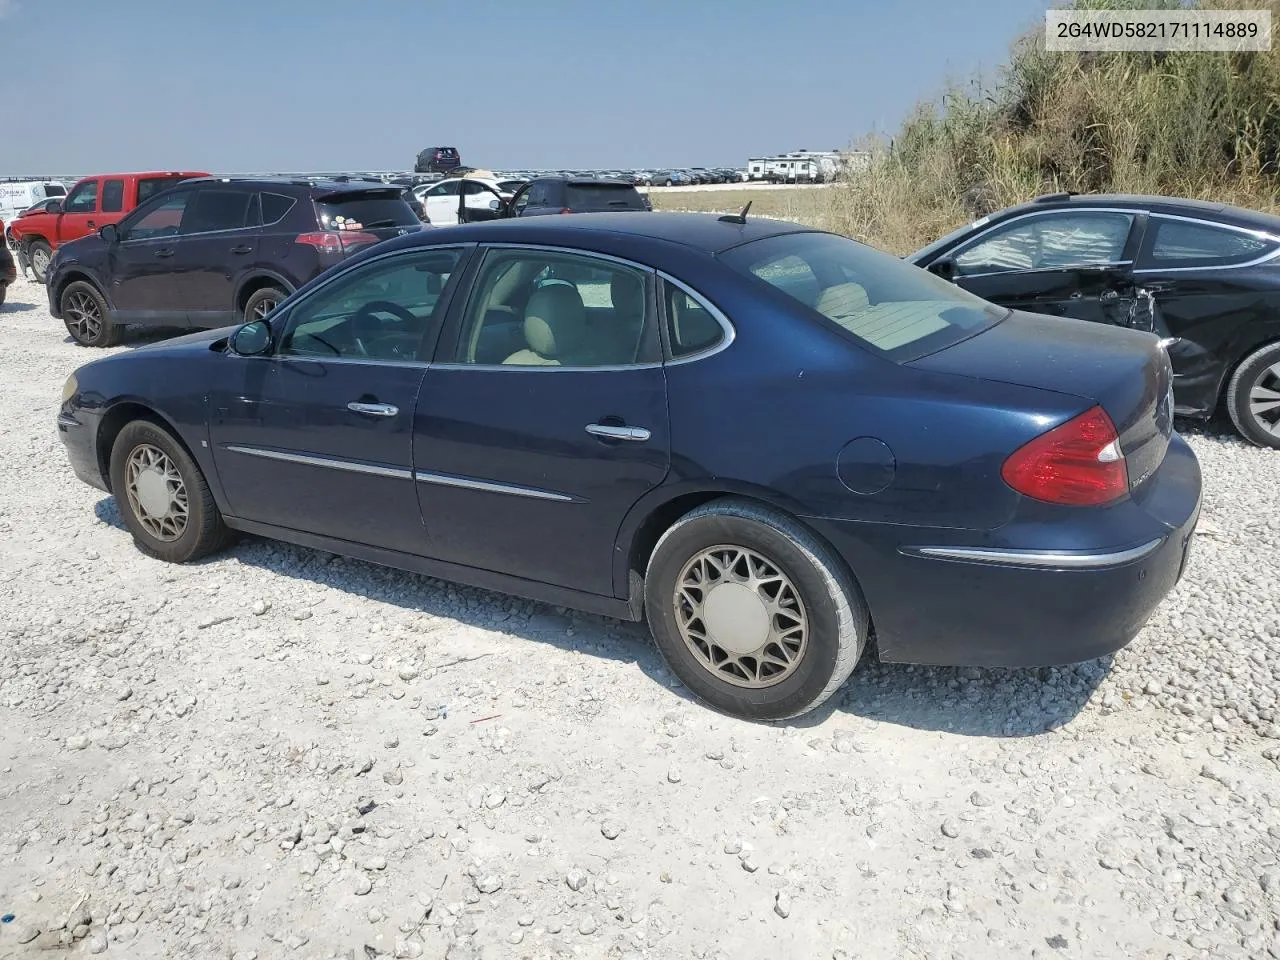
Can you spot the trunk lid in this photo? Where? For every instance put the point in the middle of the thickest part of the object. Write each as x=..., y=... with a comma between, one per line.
x=1126, y=372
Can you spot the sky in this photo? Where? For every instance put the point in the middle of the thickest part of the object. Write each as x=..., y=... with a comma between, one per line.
x=234, y=86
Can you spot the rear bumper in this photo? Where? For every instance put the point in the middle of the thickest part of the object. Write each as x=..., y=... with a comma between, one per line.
x=959, y=604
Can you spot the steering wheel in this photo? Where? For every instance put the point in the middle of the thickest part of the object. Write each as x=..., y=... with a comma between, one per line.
x=363, y=322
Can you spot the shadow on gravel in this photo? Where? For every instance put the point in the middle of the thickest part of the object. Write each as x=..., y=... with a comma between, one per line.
x=138, y=336
x=11, y=307
x=960, y=700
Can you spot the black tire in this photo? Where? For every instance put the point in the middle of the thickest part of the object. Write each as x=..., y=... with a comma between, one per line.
x=1260, y=371
x=39, y=253
x=202, y=531
x=268, y=297
x=836, y=616
x=86, y=315
x=4, y=288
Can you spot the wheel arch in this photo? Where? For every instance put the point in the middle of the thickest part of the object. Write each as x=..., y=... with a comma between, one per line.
x=654, y=514
x=260, y=280
x=119, y=415
x=1270, y=339
x=72, y=275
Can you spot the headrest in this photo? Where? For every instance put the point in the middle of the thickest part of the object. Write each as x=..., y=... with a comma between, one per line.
x=554, y=319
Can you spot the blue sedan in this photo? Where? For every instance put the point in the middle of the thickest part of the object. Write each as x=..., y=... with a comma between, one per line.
x=772, y=443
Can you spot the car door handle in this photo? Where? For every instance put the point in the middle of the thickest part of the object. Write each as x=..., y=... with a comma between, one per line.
x=242, y=249
x=373, y=409
x=92, y=224
x=609, y=432
x=166, y=252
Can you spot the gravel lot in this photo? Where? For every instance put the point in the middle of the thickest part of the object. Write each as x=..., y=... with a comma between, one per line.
x=280, y=753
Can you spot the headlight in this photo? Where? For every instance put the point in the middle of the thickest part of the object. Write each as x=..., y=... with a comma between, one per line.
x=69, y=388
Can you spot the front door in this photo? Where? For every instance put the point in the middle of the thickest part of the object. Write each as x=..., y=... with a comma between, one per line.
x=1064, y=263
x=441, y=202
x=317, y=436
x=144, y=281
x=530, y=451
x=217, y=244
x=80, y=212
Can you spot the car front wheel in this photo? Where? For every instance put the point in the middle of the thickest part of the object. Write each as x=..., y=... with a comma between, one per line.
x=754, y=614
x=1253, y=397
x=163, y=496
x=39, y=255
x=86, y=315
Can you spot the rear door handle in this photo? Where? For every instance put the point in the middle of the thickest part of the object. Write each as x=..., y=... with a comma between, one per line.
x=166, y=252
x=373, y=409
x=242, y=249
x=609, y=432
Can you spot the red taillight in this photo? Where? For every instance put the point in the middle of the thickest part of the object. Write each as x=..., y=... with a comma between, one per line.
x=566, y=210
x=335, y=241
x=1078, y=464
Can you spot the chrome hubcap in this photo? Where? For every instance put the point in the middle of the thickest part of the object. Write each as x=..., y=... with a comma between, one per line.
x=263, y=308
x=157, y=495
x=741, y=617
x=40, y=261
x=83, y=318
x=1264, y=399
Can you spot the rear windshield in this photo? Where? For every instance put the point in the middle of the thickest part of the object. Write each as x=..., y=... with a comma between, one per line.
x=362, y=211
x=603, y=196
x=896, y=309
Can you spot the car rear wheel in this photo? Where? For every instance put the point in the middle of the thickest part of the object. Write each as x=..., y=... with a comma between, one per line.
x=754, y=614
x=163, y=496
x=39, y=255
x=87, y=317
x=262, y=303
x=1253, y=397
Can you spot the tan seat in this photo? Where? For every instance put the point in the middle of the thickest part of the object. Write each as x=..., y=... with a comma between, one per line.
x=842, y=300
x=554, y=328
x=619, y=342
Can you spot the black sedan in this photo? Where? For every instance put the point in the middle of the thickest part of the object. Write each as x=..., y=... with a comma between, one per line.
x=763, y=439
x=1203, y=276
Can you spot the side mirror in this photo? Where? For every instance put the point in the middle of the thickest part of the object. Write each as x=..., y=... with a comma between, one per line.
x=495, y=205
x=251, y=340
x=55, y=206
x=110, y=233
x=944, y=267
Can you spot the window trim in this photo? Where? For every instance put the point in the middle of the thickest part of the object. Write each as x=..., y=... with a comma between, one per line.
x=1212, y=224
x=650, y=274
x=729, y=332
x=286, y=316
x=1134, y=213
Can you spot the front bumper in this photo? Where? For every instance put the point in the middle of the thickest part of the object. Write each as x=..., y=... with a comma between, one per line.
x=959, y=605
x=78, y=433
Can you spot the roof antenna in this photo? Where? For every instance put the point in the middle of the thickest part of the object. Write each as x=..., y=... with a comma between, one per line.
x=737, y=217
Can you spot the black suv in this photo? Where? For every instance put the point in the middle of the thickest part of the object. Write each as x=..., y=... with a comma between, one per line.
x=438, y=160
x=212, y=251
x=574, y=195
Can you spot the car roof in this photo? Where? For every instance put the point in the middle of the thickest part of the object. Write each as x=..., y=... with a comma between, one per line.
x=319, y=185
x=706, y=232
x=1206, y=209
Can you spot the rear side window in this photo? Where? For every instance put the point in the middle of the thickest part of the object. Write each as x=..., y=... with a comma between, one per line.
x=275, y=207
x=887, y=305
x=1179, y=243
x=603, y=196
x=214, y=210
x=691, y=327
x=149, y=187
x=113, y=196
x=365, y=212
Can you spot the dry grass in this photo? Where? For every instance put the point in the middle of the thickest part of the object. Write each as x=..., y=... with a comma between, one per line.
x=804, y=205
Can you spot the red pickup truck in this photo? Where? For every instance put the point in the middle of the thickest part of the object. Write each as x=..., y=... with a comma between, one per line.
x=90, y=205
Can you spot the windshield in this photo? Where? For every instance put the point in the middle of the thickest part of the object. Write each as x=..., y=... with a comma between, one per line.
x=896, y=309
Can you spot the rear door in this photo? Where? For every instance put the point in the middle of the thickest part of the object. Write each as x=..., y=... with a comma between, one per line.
x=217, y=243
x=1066, y=263
x=80, y=212
x=317, y=437
x=527, y=462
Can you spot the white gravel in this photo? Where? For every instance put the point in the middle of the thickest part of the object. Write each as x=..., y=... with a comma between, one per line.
x=279, y=753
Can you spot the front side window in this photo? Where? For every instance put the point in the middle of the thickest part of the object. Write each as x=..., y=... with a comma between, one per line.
x=888, y=305
x=214, y=210
x=1047, y=242
x=389, y=310
x=113, y=196
x=161, y=220
x=83, y=199
x=1180, y=243
x=448, y=188
x=531, y=308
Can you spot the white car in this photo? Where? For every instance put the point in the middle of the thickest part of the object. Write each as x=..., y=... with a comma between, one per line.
x=17, y=195
x=441, y=199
